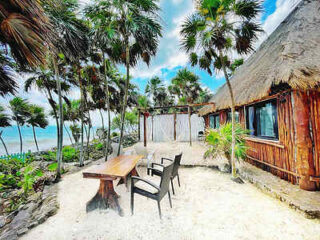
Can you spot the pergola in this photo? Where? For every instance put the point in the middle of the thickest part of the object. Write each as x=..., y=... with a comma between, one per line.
x=145, y=112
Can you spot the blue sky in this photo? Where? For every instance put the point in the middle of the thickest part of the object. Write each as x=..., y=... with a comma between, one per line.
x=170, y=58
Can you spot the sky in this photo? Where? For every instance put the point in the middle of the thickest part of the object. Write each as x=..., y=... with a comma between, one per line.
x=170, y=58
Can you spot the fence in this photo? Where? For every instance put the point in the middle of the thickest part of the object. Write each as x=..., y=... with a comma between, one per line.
x=21, y=156
x=170, y=127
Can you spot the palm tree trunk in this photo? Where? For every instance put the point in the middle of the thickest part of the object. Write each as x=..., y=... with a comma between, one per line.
x=20, y=136
x=102, y=126
x=82, y=119
x=60, y=123
x=50, y=100
x=108, y=109
x=125, y=100
x=233, y=142
x=35, y=138
x=65, y=127
x=4, y=145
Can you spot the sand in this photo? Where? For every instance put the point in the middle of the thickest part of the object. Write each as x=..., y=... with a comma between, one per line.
x=207, y=206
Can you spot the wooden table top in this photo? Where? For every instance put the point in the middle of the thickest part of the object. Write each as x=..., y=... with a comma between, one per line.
x=116, y=167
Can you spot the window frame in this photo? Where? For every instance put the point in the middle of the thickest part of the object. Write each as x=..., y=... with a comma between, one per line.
x=255, y=123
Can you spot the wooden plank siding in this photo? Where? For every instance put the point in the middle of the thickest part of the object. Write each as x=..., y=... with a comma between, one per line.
x=280, y=157
x=275, y=153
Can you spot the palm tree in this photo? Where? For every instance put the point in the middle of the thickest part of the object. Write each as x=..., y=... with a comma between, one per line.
x=4, y=122
x=20, y=112
x=44, y=81
x=36, y=118
x=216, y=30
x=135, y=28
x=185, y=85
x=25, y=29
x=72, y=44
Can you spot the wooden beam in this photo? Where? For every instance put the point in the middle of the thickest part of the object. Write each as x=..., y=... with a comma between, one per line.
x=177, y=106
x=175, y=126
x=275, y=167
x=144, y=130
x=303, y=141
x=189, y=115
x=139, y=125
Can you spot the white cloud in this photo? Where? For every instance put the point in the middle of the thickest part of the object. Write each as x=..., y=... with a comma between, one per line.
x=283, y=8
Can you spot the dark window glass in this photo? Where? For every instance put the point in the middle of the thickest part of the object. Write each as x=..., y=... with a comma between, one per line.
x=262, y=120
x=217, y=121
x=211, y=121
x=236, y=116
x=214, y=121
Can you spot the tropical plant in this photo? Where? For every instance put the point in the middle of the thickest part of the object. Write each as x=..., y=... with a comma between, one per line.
x=70, y=154
x=185, y=86
x=30, y=175
x=4, y=122
x=135, y=28
x=36, y=118
x=20, y=112
x=220, y=142
x=214, y=32
x=25, y=29
x=72, y=44
x=75, y=131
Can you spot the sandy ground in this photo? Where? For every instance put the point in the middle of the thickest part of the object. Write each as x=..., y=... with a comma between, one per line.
x=207, y=206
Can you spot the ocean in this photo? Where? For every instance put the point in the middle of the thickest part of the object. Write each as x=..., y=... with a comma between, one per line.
x=47, y=138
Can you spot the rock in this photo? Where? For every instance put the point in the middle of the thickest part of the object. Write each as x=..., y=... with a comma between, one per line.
x=224, y=167
x=2, y=221
x=9, y=235
x=33, y=224
x=36, y=197
x=21, y=220
x=22, y=231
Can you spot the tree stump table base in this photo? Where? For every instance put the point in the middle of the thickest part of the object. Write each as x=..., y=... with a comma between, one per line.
x=105, y=198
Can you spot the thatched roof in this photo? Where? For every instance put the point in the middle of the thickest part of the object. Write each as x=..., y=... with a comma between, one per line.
x=290, y=56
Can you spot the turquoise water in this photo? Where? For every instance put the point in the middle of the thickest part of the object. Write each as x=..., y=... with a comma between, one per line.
x=47, y=138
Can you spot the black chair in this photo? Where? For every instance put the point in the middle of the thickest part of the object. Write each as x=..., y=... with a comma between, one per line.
x=150, y=189
x=175, y=170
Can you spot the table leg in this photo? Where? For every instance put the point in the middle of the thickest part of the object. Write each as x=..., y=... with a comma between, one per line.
x=105, y=198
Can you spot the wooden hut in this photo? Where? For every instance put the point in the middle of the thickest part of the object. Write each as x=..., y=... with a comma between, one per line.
x=277, y=98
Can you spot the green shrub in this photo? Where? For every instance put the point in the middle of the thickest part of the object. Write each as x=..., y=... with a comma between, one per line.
x=53, y=167
x=99, y=146
x=114, y=134
x=219, y=141
x=30, y=175
x=70, y=154
x=50, y=156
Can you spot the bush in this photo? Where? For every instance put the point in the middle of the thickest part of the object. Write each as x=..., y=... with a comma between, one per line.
x=219, y=141
x=99, y=146
x=50, y=156
x=30, y=176
x=114, y=134
x=70, y=154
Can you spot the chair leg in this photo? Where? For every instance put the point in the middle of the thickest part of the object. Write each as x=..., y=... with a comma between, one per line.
x=169, y=198
x=159, y=209
x=172, y=186
x=178, y=180
x=132, y=203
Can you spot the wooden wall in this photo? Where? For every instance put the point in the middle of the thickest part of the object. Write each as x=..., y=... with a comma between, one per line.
x=280, y=157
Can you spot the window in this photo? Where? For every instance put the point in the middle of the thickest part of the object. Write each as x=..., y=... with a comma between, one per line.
x=214, y=121
x=262, y=121
x=236, y=116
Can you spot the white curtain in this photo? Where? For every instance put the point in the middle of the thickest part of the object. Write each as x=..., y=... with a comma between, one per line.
x=162, y=127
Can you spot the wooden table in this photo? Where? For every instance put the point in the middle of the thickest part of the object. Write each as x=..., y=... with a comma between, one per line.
x=118, y=167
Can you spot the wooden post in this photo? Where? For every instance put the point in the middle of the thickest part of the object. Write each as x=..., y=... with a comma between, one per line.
x=144, y=130
x=139, y=126
x=303, y=141
x=175, y=126
x=189, y=115
x=152, y=128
